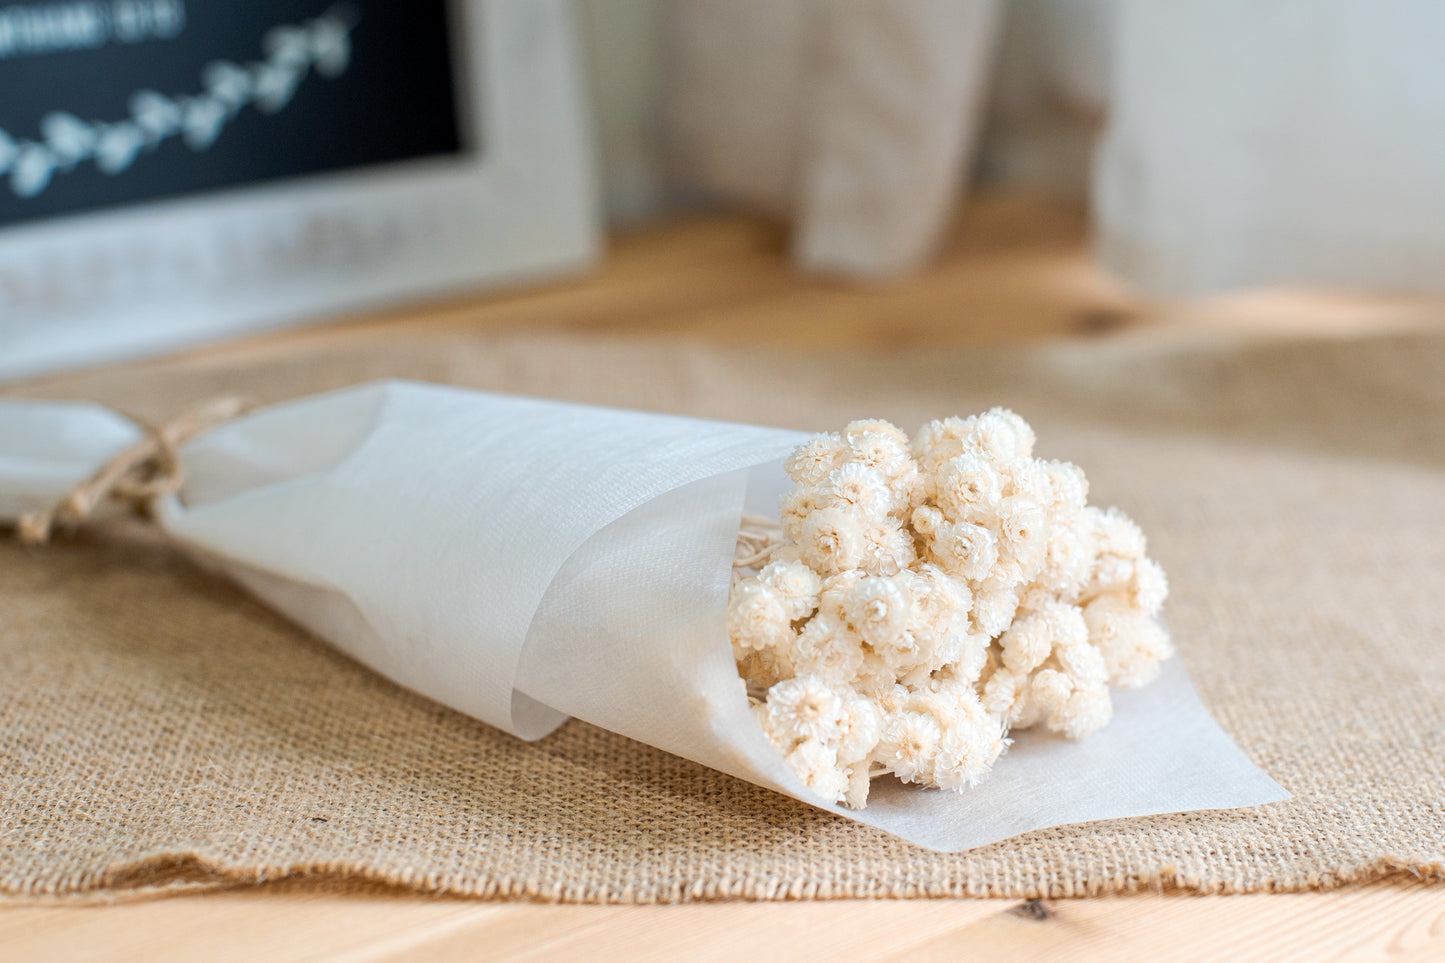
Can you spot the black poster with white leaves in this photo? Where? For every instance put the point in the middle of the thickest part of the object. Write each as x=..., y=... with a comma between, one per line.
x=106, y=103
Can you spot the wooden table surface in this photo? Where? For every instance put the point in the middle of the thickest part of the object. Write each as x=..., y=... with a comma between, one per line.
x=1014, y=268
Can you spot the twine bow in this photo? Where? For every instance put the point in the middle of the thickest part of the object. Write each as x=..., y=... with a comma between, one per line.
x=146, y=471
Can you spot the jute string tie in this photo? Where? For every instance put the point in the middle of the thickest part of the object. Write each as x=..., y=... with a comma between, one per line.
x=139, y=475
x=758, y=538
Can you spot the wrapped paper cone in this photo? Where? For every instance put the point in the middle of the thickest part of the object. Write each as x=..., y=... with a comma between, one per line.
x=523, y=561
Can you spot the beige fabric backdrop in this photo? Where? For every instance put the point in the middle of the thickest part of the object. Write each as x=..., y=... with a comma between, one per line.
x=160, y=731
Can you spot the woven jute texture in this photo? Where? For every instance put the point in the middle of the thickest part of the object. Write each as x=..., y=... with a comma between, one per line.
x=160, y=731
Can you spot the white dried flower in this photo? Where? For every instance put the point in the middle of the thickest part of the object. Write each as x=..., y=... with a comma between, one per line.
x=860, y=731
x=938, y=441
x=964, y=549
x=1065, y=488
x=881, y=451
x=1023, y=536
x=765, y=668
x=1027, y=643
x=968, y=488
x=1051, y=689
x=1001, y=436
x=1068, y=562
x=811, y=463
x=817, y=765
x=1116, y=533
x=1149, y=586
x=856, y=430
x=926, y=519
x=887, y=548
x=994, y=605
x=758, y=617
x=972, y=741
x=936, y=598
x=828, y=650
x=877, y=609
x=831, y=541
x=1131, y=643
x=803, y=708
x=859, y=490
x=909, y=743
x=1083, y=663
x=1085, y=711
x=795, y=583
x=794, y=510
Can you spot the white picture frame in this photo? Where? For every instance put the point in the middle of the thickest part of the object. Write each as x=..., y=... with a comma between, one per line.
x=158, y=276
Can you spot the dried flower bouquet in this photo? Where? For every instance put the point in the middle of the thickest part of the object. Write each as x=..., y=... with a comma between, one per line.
x=914, y=604
x=921, y=600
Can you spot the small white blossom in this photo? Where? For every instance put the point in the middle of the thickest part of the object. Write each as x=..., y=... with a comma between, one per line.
x=1001, y=436
x=1116, y=533
x=1023, y=535
x=887, y=549
x=1066, y=488
x=1149, y=586
x=831, y=541
x=802, y=708
x=1068, y=562
x=1083, y=663
x=910, y=741
x=828, y=650
x=795, y=509
x=811, y=464
x=859, y=490
x=758, y=617
x=880, y=451
x=1051, y=689
x=994, y=605
x=964, y=549
x=1131, y=643
x=968, y=488
x=795, y=583
x=860, y=731
x=1027, y=643
x=857, y=430
x=877, y=609
x=1085, y=711
x=817, y=765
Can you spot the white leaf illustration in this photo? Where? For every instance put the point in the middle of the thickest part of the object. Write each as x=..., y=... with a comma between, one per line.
x=269, y=85
x=228, y=83
x=203, y=120
x=158, y=115
x=118, y=146
x=32, y=169
x=70, y=139
x=330, y=46
x=273, y=84
x=286, y=45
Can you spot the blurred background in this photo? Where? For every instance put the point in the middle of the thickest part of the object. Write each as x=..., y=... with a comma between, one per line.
x=175, y=171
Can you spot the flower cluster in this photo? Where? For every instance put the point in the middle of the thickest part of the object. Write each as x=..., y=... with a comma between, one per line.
x=924, y=599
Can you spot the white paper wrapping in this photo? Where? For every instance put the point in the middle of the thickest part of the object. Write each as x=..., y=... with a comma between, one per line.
x=523, y=561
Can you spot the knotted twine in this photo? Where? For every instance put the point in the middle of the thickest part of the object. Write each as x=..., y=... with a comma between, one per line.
x=139, y=475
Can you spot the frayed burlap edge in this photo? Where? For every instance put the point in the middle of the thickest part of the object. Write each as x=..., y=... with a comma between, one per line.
x=186, y=874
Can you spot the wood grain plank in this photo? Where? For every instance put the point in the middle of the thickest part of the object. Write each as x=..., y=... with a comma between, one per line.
x=1388, y=921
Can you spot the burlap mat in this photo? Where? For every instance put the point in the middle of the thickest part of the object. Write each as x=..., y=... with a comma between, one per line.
x=160, y=731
